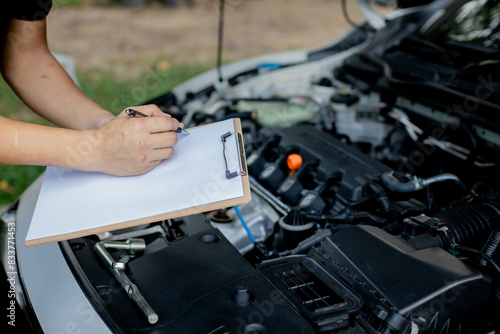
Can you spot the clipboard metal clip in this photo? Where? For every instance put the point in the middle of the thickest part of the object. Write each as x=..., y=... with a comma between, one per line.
x=241, y=157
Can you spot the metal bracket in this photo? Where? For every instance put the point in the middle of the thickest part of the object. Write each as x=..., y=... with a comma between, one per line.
x=241, y=154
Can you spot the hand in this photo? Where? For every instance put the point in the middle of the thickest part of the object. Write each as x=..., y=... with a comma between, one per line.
x=132, y=146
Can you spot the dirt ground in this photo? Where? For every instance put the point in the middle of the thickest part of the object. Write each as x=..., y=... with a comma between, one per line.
x=127, y=39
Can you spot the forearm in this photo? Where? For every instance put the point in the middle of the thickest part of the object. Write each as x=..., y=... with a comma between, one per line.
x=124, y=146
x=31, y=144
x=47, y=89
x=41, y=82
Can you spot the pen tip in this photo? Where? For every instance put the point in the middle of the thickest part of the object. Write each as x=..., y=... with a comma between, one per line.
x=181, y=130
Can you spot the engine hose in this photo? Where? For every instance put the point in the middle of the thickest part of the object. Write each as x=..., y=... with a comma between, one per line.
x=444, y=177
x=491, y=247
x=415, y=183
x=392, y=182
x=488, y=259
x=468, y=224
x=380, y=196
x=480, y=188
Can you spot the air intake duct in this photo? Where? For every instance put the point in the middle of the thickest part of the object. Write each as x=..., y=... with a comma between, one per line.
x=470, y=225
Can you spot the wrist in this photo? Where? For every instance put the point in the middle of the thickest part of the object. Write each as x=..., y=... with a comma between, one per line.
x=84, y=153
x=104, y=119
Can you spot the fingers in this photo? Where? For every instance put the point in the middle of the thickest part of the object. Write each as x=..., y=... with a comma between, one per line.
x=161, y=124
x=160, y=154
x=155, y=158
x=135, y=145
x=150, y=161
x=156, y=121
x=162, y=140
x=156, y=112
x=150, y=110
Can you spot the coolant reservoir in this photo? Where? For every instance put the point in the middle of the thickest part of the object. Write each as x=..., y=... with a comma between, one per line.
x=276, y=113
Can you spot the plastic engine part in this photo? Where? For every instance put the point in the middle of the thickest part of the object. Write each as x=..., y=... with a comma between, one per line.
x=398, y=282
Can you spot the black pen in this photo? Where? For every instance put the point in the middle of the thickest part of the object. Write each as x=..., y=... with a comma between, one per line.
x=133, y=113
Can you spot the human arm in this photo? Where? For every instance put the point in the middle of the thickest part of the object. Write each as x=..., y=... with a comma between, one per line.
x=40, y=81
x=92, y=139
x=124, y=146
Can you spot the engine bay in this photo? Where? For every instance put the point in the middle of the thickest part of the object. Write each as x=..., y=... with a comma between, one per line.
x=344, y=243
x=375, y=209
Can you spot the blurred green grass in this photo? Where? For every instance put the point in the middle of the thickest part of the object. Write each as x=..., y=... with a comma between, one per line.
x=106, y=88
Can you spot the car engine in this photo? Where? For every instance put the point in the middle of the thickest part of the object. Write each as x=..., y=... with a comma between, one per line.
x=375, y=206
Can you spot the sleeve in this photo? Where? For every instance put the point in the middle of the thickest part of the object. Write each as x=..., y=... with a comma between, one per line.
x=30, y=10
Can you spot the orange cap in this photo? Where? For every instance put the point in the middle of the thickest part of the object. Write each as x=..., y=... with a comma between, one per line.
x=293, y=161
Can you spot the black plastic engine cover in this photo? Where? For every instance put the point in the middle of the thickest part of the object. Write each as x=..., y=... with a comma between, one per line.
x=191, y=285
x=334, y=158
x=399, y=283
x=325, y=301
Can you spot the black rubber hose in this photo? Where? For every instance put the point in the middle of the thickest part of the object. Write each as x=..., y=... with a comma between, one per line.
x=491, y=247
x=390, y=181
x=483, y=256
x=380, y=196
x=469, y=225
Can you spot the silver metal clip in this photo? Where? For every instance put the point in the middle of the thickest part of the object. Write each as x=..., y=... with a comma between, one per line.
x=241, y=154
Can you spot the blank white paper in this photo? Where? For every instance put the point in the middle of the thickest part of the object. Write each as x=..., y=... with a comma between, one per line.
x=72, y=201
